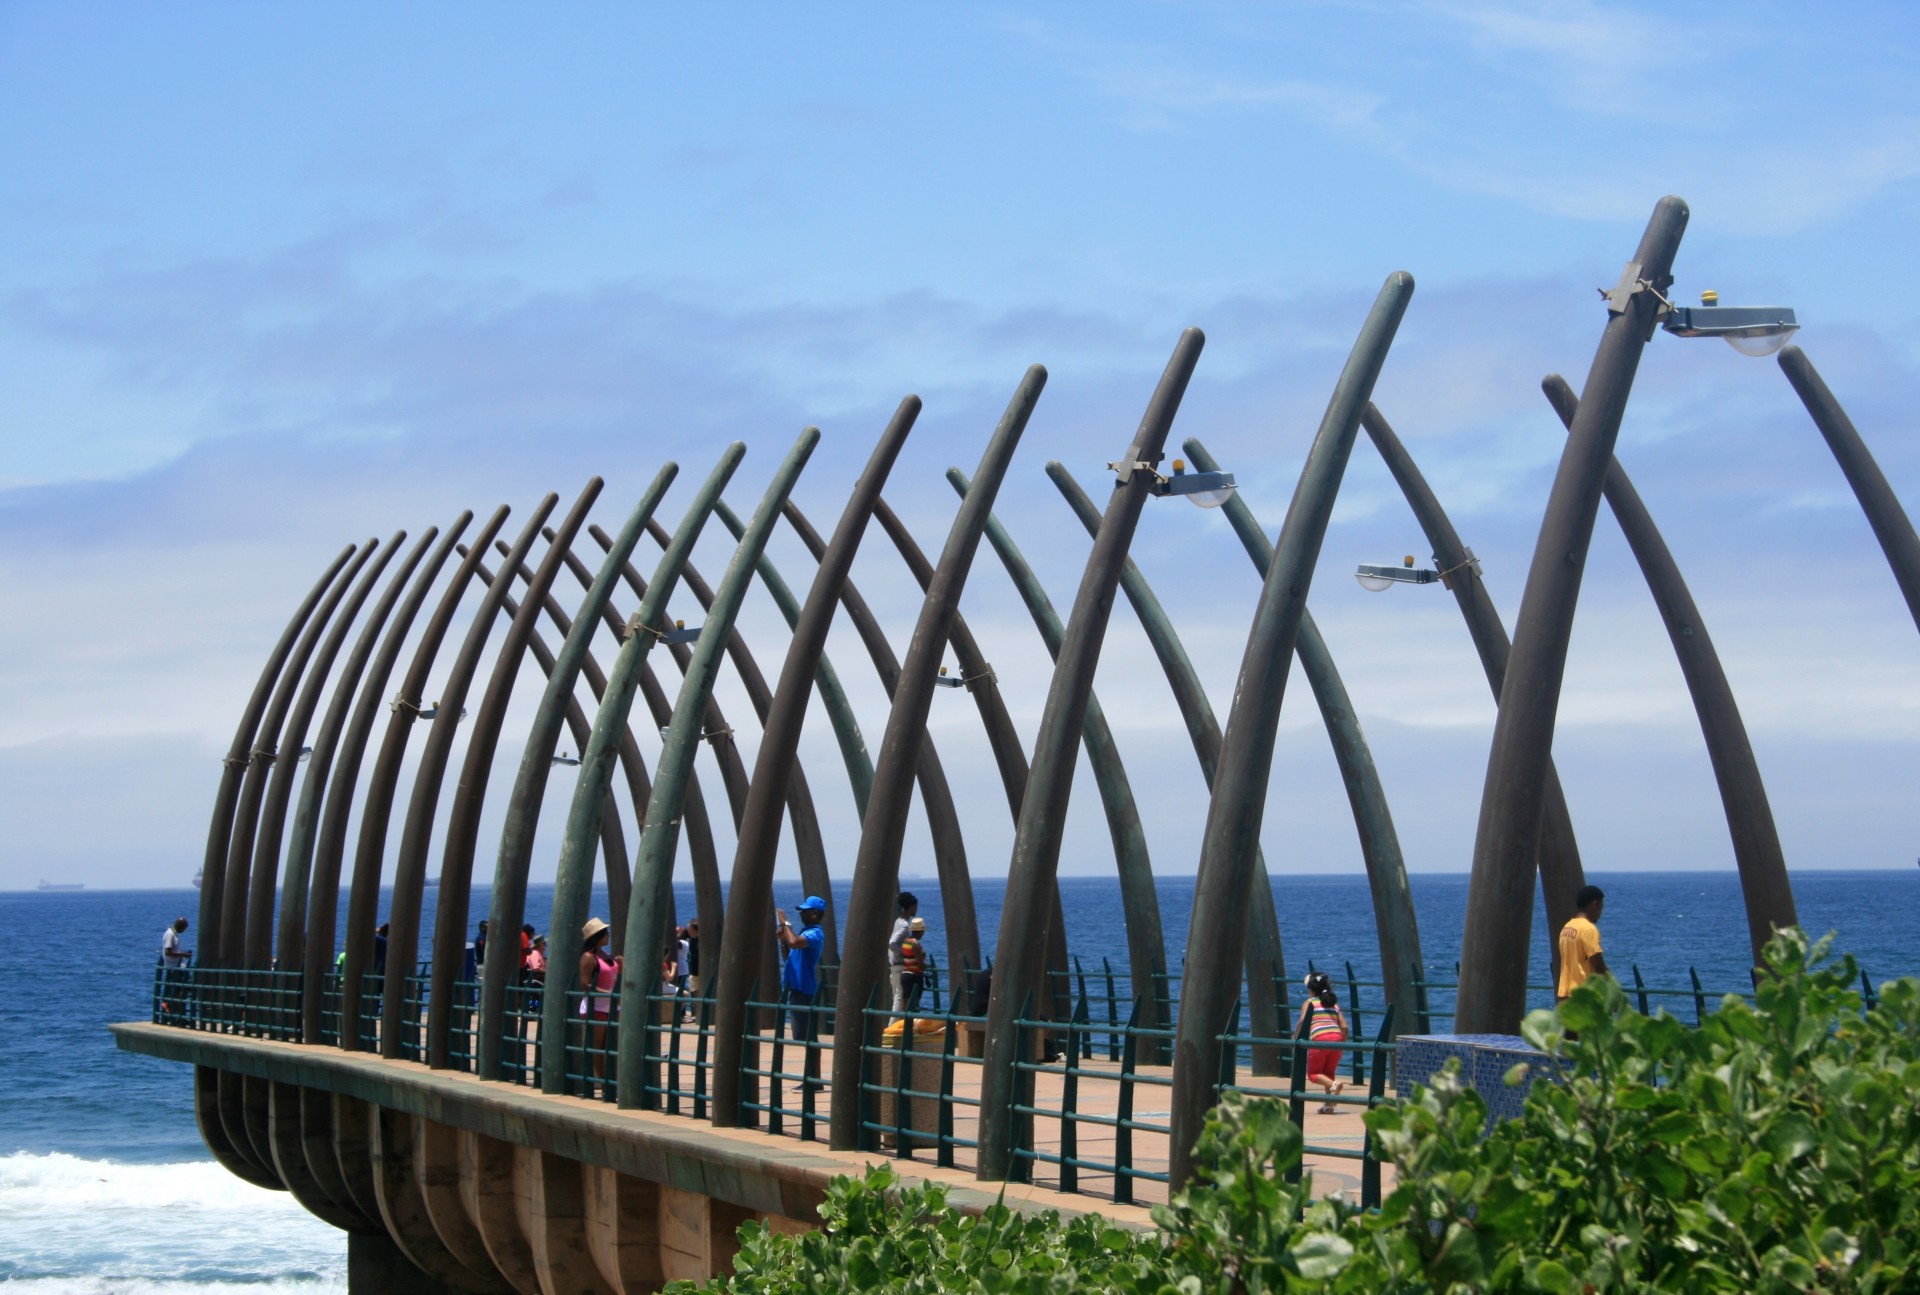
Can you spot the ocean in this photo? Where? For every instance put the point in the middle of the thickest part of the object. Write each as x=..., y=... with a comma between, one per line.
x=105, y=1186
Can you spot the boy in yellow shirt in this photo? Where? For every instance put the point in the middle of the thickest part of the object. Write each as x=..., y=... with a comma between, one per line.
x=1581, y=957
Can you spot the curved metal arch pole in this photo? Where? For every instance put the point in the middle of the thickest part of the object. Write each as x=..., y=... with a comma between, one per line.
x=226, y=799
x=574, y=877
x=383, y=782
x=750, y=888
x=332, y=807
x=290, y=940
x=876, y=869
x=416, y=833
x=470, y=794
x=263, y=890
x=936, y=795
x=639, y=783
x=1266, y=956
x=246, y=820
x=613, y=836
x=1493, y=943
x=1891, y=525
x=211, y=1114
x=508, y=902
x=1764, y=884
x=801, y=813
x=632, y=763
x=708, y=900
x=1216, y=931
x=833, y=696
x=242, y=1101
x=1561, y=875
x=1056, y=749
x=1003, y=739
x=647, y=914
x=1140, y=905
x=846, y=732
x=370, y=845
x=1395, y=928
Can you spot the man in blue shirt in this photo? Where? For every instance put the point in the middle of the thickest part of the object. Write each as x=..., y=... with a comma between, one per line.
x=801, y=974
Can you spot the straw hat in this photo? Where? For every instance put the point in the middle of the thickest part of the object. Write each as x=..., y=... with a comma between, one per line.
x=592, y=929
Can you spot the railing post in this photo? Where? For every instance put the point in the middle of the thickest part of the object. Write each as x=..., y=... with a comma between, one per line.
x=1359, y=1029
x=1123, y=1112
x=1640, y=990
x=1113, y=1012
x=1376, y=1093
x=943, y=1146
x=867, y=1040
x=1699, y=998
x=1297, y=1091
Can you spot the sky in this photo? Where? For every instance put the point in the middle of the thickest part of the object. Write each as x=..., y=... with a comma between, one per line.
x=282, y=278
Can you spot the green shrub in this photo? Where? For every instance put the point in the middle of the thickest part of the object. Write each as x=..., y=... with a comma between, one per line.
x=1775, y=1148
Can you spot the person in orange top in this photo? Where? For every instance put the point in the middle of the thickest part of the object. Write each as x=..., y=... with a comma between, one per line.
x=1581, y=957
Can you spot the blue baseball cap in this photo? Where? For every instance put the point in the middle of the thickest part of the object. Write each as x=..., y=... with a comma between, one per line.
x=813, y=904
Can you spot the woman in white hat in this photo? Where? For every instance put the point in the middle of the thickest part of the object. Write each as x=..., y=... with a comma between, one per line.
x=599, y=973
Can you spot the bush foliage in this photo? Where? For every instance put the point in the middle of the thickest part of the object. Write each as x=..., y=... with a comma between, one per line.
x=1774, y=1148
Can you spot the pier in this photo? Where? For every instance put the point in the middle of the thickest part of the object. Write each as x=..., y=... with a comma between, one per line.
x=472, y=1131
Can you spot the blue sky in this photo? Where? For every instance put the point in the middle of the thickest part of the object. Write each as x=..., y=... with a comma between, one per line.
x=281, y=277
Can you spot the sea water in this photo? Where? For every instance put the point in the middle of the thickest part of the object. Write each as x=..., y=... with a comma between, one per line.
x=105, y=1185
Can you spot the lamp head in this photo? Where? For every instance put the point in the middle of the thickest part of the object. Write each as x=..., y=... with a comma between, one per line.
x=1376, y=578
x=1750, y=330
x=1204, y=489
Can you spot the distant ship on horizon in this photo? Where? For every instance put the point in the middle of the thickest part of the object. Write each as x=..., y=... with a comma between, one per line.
x=62, y=885
x=198, y=873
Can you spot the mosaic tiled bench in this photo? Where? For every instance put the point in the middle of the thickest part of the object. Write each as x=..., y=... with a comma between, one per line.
x=1484, y=1062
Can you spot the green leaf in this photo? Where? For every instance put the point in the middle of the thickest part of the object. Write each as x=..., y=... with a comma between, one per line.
x=1552, y=1276
x=1791, y=1137
x=1319, y=1255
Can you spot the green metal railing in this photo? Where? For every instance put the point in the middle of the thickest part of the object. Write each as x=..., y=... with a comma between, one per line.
x=783, y=1059
x=1107, y=1075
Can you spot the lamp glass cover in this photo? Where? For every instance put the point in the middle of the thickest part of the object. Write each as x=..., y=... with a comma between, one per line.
x=1763, y=345
x=1210, y=498
x=1373, y=584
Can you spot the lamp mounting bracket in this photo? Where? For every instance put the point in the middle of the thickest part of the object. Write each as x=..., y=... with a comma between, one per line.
x=1123, y=471
x=1633, y=282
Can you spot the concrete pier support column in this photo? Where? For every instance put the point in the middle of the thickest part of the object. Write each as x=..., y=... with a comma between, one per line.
x=487, y=1192
x=436, y=1164
x=290, y=1162
x=551, y=1200
x=403, y=1206
x=353, y=1151
x=697, y=1234
x=623, y=1228
x=213, y=1131
x=376, y=1266
x=323, y=1163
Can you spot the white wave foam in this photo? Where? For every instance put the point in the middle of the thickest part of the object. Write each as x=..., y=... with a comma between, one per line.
x=69, y=1225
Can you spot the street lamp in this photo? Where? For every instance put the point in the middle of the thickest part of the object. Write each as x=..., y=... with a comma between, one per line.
x=1377, y=579
x=1204, y=489
x=566, y=759
x=1750, y=330
x=678, y=633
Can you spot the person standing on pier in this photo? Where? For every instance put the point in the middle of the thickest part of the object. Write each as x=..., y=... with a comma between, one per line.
x=913, y=964
x=1326, y=1028
x=1581, y=958
x=598, y=974
x=173, y=965
x=909, y=904
x=801, y=974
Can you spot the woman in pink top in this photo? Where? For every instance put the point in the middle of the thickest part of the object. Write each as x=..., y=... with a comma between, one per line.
x=599, y=973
